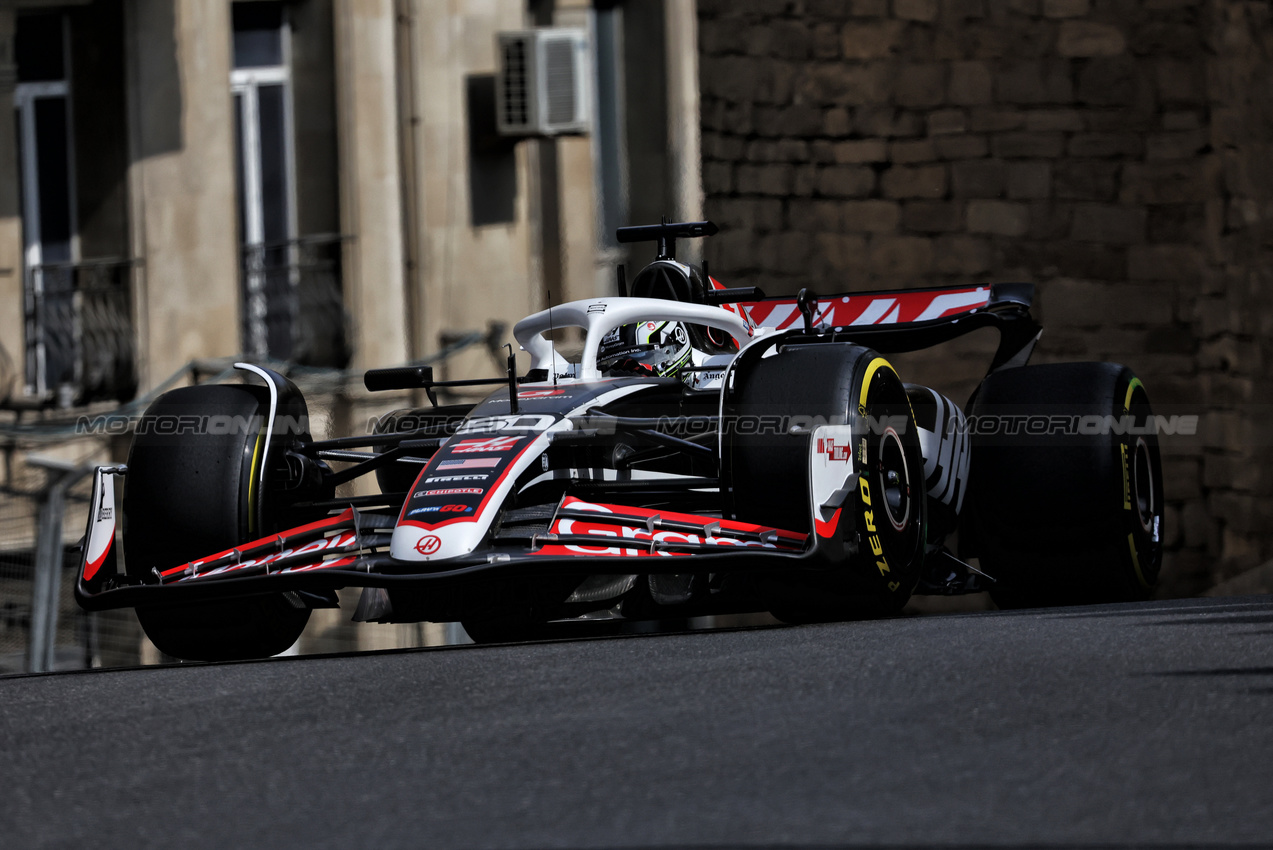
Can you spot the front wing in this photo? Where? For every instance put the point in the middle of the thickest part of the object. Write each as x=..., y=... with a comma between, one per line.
x=350, y=549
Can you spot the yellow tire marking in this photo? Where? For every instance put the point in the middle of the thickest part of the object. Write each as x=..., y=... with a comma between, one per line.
x=1131, y=387
x=253, y=495
x=870, y=373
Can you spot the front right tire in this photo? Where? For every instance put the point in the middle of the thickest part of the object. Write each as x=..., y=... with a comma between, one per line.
x=1066, y=492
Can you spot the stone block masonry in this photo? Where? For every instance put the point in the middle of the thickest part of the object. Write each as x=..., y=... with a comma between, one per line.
x=1114, y=152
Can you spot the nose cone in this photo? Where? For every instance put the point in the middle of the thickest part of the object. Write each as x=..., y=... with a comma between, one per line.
x=416, y=543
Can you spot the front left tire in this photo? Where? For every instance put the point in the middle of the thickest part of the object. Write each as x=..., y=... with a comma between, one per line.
x=193, y=491
x=766, y=473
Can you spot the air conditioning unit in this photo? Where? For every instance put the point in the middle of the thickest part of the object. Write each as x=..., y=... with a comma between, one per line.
x=541, y=88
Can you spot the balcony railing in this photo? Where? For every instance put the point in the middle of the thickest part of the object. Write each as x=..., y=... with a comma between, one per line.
x=293, y=306
x=81, y=343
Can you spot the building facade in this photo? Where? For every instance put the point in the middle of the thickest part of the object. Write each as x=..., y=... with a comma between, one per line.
x=313, y=181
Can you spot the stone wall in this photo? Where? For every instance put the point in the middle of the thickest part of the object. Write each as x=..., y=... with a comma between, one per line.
x=1114, y=152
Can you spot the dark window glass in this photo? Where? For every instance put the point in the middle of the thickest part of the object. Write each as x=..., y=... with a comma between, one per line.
x=39, y=48
x=274, y=193
x=258, y=34
x=613, y=206
x=280, y=296
x=53, y=172
x=56, y=311
x=238, y=167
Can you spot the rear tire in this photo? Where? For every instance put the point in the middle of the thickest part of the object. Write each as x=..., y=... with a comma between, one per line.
x=1066, y=519
x=767, y=477
x=190, y=495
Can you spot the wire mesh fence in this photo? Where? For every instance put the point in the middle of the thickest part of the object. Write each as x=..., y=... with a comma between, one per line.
x=44, y=500
x=17, y=562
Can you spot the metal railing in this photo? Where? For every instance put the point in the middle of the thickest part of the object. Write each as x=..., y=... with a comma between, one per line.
x=293, y=304
x=81, y=342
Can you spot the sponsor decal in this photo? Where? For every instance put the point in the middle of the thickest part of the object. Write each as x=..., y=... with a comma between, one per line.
x=491, y=444
x=615, y=537
x=469, y=463
x=451, y=491
x=448, y=509
x=496, y=424
x=327, y=544
x=872, y=310
x=612, y=356
x=101, y=533
x=437, y=479
x=541, y=393
x=428, y=544
x=324, y=565
x=835, y=451
x=596, y=308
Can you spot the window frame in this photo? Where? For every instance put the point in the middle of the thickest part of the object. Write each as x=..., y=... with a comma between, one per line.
x=245, y=85
x=25, y=97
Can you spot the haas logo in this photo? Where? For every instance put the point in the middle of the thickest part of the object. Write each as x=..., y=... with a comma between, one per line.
x=493, y=444
x=428, y=544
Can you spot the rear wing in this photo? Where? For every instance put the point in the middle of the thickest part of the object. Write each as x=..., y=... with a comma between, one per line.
x=874, y=308
x=900, y=320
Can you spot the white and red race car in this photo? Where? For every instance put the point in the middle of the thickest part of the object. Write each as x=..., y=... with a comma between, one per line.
x=709, y=451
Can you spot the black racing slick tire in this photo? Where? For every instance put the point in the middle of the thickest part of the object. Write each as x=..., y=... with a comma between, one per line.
x=767, y=478
x=192, y=492
x=1066, y=492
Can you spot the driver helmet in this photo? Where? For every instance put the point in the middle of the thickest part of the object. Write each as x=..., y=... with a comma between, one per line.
x=647, y=348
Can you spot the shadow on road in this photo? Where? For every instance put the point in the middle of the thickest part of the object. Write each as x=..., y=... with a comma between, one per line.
x=1175, y=609
x=1225, y=673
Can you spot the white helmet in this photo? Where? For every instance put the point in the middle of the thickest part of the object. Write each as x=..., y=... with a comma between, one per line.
x=656, y=347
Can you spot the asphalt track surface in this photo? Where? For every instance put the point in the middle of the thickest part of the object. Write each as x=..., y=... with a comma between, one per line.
x=1143, y=725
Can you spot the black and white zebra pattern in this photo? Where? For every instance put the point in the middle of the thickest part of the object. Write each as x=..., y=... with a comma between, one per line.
x=943, y=439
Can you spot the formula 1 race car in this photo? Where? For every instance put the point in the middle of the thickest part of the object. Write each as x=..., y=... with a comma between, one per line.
x=709, y=451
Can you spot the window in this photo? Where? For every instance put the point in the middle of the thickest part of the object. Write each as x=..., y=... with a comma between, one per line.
x=260, y=83
x=47, y=186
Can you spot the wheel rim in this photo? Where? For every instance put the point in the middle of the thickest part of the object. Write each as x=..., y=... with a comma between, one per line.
x=895, y=480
